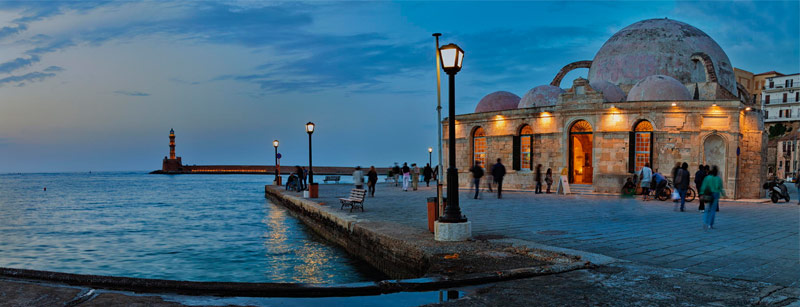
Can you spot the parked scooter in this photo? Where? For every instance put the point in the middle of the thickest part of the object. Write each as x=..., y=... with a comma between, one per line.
x=777, y=190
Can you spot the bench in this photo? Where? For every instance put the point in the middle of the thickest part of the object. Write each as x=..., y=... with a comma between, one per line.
x=355, y=200
x=331, y=178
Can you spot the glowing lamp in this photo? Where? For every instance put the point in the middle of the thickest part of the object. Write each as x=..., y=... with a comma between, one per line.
x=430, y=149
x=747, y=109
x=674, y=104
x=452, y=56
x=275, y=143
x=310, y=127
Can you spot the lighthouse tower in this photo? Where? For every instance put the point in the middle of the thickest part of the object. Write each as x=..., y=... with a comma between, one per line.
x=172, y=144
x=172, y=164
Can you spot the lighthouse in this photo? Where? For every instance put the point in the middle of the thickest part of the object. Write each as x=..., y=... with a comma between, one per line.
x=172, y=164
x=172, y=144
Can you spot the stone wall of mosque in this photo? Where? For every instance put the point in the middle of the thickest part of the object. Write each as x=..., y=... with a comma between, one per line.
x=692, y=131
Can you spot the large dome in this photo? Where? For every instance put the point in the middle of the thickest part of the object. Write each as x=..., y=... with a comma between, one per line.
x=542, y=95
x=660, y=47
x=497, y=101
x=659, y=88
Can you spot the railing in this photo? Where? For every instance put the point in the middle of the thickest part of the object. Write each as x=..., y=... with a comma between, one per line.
x=777, y=102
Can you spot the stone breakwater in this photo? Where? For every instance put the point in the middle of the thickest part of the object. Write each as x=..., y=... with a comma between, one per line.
x=402, y=251
x=384, y=245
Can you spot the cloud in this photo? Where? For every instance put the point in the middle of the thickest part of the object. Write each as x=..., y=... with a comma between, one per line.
x=51, y=47
x=29, y=77
x=54, y=69
x=131, y=93
x=18, y=63
x=9, y=31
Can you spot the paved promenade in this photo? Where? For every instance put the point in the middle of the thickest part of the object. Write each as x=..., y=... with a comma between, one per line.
x=751, y=241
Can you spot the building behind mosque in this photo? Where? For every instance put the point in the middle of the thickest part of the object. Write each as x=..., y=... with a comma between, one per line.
x=659, y=91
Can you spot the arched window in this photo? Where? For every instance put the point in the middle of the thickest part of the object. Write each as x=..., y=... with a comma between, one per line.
x=479, y=147
x=526, y=147
x=641, y=150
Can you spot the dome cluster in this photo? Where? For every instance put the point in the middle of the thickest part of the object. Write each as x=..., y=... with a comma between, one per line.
x=653, y=58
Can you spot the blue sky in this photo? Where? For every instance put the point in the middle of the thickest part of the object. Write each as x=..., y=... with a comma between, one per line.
x=97, y=85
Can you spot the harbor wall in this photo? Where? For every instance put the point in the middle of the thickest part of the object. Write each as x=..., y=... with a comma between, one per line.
x=372, y=242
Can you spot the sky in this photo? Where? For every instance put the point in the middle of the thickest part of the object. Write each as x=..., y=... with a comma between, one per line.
x=96, y=86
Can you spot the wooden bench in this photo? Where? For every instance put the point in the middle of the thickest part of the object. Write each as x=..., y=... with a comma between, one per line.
x=331, y=178
x=355, y=200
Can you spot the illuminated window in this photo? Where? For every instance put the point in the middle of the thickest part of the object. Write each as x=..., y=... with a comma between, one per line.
x=642, y=149
x=479, y=147
x=526, y=146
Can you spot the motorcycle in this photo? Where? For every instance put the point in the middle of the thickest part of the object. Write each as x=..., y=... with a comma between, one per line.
x=777, y=190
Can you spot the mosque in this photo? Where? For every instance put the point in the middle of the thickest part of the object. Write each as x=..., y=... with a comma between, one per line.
x=659, y=91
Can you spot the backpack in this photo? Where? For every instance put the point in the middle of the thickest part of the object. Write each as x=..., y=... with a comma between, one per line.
x=679, y=176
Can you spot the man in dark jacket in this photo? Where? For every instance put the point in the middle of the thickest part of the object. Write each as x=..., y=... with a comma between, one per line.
x=682, y=182
x=698, y=182
x=477, y=173
x=498, y=171
x=427, y=173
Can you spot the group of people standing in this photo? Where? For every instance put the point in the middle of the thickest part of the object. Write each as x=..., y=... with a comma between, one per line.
x=410, y=177
x=498, y=171
x=372, y=179
x=706, y=179
x=298, y=179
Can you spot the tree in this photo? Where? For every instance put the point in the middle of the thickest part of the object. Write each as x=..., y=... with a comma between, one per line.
x=778, y=130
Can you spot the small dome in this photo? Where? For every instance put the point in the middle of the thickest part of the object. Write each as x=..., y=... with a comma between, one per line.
x=611, y=92
x=497, y=101
x=659, y=87
x=542, y=95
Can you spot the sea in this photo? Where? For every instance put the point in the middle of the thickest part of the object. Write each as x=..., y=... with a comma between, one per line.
x=177, y=227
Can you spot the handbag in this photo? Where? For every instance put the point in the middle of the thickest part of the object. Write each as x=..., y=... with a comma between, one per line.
x=675, y=195
x=707, y=198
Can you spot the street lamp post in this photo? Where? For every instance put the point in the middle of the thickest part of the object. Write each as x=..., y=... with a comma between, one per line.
x=277, y=167
x=312, y=188
x=430, y=156
x=452, y=57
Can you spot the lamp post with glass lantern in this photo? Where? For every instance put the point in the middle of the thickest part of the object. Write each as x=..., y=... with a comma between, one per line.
x=277, y=166
x=452, y=57
x=312, y=188
x=430, y=156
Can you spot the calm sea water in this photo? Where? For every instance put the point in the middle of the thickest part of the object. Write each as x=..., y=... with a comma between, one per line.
x=184, y=227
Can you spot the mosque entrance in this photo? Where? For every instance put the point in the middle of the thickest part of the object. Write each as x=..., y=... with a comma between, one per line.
x=580, y=153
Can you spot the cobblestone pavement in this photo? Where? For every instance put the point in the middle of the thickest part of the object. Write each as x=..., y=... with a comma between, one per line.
x=751, y=241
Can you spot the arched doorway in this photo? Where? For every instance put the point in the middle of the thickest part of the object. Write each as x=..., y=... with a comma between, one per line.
x=580, y=153
x=714, y=151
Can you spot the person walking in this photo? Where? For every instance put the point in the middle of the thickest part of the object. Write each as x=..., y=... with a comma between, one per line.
x=645, y=175
x=681, y=182
x=396, y=173
x=548, y=178
x=372, y=179
x=712, y=184
x=498, y=171
x=698, y=181
x=538, y=179
x=406, y=176
x=427, y=173
x=414, y=176
x=358, y=178
x=477, y=173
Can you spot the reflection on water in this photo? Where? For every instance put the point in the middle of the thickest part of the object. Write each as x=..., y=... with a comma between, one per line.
x=186, y=227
